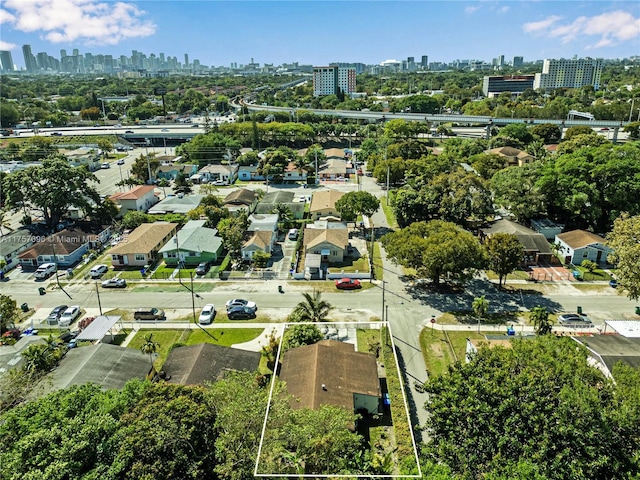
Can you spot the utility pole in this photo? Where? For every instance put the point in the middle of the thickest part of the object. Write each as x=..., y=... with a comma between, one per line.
x=383, y=304
x=387, y=196
x=98, y=294
x=316, y=156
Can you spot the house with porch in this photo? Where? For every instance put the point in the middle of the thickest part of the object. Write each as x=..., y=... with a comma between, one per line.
x=141, y=247
x=262, y=235
x=226, y=174
x=139, y=199
x=537, y=250
x=330, y=240
x=331, y=372
x=170, y=171
x=242, y=199
x=579, y=245
x=192, y=244
x=66, y=247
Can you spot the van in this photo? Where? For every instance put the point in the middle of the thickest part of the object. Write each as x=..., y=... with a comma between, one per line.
x=149, y=314
x=45, y=270
x=293, y=234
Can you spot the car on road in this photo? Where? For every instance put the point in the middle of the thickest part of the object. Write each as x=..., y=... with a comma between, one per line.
x=202, y=268
x=207, y=314
x=128, y=131
x=114, y=283
x=241, y=313
x=604, y=129
x=164, y=130
x=149, y=314
x=105, y=166
x=98, y=271
x=69, y=316
x=348, y=284
x=240, y=302
x=97, y=125
x=195, y=125
x=54, y=316
x=613, y=283
x=56, y=134
x=573, y=319
x=121, y=161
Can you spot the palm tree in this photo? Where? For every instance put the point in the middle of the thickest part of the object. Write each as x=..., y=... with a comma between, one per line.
x=285, y=216
x=540, y=318
x=150, y=346
x=313, y=309
x=480, y=307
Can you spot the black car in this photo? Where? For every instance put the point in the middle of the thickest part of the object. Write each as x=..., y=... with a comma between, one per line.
x=128, y=131
x=53, y=317
x=241, y=313
x=202, y=268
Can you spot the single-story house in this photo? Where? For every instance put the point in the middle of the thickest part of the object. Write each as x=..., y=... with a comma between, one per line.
x=513, y=156
x=65, y=248
x=109, y=366
x=140, y=199
x=90, y=157
x=579, y=245
x=262, y=233
x=607, y=350
x=218, y=173
x=291, y=172
x=192, y=244
x=323, y=204
x=330, y=243
x=333, y=169
x=171, y=170
x=242, y=198
x=271, y=199
x=12, y=245
x=331, y=372
x=537, y=250
x=141, y=247
x=206, y=362
x=249, y=173
x=176, y=204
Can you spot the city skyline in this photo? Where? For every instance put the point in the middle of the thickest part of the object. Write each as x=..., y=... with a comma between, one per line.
x=220, y=33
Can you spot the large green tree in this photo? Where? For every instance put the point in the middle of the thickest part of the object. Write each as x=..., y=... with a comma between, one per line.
x=624, y=239
x=436, y=250
x=540, y=401
x=352, y=204
x=516, y=190
x=52, y=188
x=8, y=312
x=504, y=254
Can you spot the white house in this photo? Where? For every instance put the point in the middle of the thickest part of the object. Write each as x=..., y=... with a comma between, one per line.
x=139, y=199
x=263, y=233
x=579, y=245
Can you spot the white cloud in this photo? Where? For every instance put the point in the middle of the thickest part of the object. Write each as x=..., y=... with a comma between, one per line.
x=533, y=27
x=90, y=21
x=613, y=28
x=6, y=45
x=5, y=16
x=469, y=10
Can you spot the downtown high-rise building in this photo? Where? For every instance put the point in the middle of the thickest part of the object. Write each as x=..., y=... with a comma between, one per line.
x=518, y=62
x=29, y=59
x=6, y=61
x=564, y=73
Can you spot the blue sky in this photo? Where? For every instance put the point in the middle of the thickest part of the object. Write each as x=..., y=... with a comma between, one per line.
x=312, y=32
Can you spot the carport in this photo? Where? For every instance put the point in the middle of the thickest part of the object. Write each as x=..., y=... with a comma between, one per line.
x=100, y=327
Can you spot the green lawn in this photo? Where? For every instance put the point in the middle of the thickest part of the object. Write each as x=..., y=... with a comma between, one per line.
x=361, y=265
x=436, y=348
x=517, y=275
x=388, y=211
x=166, y=338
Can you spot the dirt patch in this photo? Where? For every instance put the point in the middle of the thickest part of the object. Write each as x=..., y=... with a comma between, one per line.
x=436, y=350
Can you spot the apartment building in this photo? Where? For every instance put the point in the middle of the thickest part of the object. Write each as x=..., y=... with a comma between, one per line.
x=564, y=73
x=330, y=80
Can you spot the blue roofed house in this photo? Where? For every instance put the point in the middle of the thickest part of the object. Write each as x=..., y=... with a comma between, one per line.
x=193, y=244
x=169, y=171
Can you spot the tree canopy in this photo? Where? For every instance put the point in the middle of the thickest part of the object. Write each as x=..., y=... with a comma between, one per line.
x=624, y=239
x=539, y=402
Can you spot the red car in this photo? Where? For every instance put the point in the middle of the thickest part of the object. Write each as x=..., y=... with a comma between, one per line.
x=348, y=284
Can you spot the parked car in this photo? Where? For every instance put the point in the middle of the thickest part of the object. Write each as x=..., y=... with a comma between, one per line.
x=98, y=271
x=239, y=302
x=207, y=314
x=45, y=270
x=53, y=317
x=348, y=284
x=202, y=268
x=149, y=314
x=293, y=234
x=69, y=316
x=241, y=313
x=573, y=319
x=114, y=283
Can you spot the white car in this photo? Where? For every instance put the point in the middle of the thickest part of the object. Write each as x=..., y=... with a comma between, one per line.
x=69, y=315
x=207, y=314
x=98, y=270
x=239, y=302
